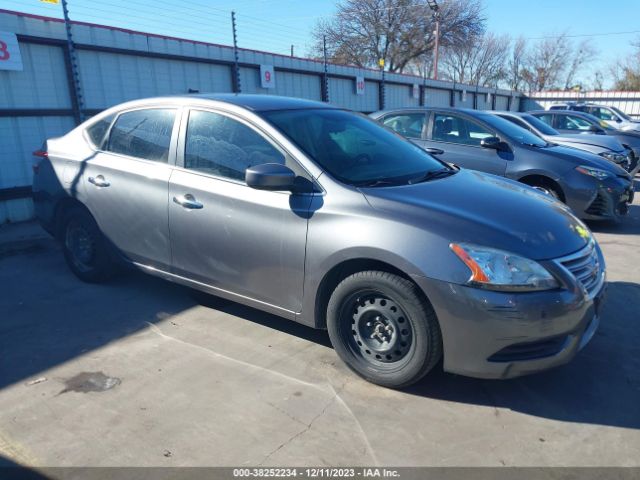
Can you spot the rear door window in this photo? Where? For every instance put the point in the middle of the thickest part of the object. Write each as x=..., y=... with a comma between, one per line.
x=409, y=125
x=454, y=129
x=144, y=134
x=572, y=122
x=546, y=118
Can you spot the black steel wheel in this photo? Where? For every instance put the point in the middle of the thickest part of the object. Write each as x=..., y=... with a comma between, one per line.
x=383, y=328
x=85, y=248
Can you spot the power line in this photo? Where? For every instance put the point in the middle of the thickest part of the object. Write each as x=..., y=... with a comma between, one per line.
x=607, y=34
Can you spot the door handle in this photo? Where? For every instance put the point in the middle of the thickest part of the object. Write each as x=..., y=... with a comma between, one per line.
x=434, y=151
x=188, y=201
x=99, y=181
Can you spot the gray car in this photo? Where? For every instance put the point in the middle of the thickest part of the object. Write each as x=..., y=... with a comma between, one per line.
x=324, y=217
x=606, y=146
x=593, y=187
x=572, y=122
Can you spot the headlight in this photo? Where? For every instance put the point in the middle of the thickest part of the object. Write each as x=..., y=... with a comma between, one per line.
x=594, y=172
x=499, y=270
x=614, y=157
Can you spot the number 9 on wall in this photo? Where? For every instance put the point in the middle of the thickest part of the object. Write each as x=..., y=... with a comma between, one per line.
x=10, y=58
x=267, y=76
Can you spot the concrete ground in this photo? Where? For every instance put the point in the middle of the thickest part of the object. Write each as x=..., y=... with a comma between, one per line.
x=137, y=373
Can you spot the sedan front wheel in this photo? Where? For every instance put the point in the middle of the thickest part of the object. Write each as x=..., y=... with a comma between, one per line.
x=383, y=328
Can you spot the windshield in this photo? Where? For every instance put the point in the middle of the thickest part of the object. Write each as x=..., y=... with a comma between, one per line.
x=622, y=114
x=353, y=148
x=539, y=125
x=513, y=131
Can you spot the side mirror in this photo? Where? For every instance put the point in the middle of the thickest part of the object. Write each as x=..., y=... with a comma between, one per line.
x=618, y=119
x=595, y=129
x=494, y=143
x=270, y=176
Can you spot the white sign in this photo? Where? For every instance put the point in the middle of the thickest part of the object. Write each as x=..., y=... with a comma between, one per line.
x=267, y=76
x=488, y=97
x=359, y=85
x=10, y=58
x=463, y=96
x=416, y=91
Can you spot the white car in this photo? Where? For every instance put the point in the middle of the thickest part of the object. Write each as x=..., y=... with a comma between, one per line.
x=612, y=116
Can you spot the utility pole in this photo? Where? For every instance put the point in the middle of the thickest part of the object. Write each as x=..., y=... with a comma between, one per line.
x=325, y=76
x=433, y=5
x=72, y=66
x=381, y=63
x=237, y=88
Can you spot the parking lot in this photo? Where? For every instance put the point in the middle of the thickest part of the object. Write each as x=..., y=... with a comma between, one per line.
x=138, y=373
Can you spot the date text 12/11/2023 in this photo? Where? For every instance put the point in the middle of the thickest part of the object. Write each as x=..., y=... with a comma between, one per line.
x=319, y=472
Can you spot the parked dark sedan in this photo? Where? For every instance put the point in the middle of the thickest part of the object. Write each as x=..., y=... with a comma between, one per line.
x=570, y=121
x=592, y=186
x=607, y=147
x=324, y=217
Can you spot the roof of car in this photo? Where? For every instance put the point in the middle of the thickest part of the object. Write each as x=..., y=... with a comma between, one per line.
x=469, y=111
x=261, y=103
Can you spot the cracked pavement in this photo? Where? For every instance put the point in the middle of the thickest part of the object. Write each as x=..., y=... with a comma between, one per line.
x=215, y=383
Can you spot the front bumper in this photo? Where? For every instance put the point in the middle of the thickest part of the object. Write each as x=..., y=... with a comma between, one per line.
x=599, y=200
x=488, y=334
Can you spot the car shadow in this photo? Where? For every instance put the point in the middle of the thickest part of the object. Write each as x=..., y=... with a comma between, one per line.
x=601, y=385
x=43, y=325
x=10, y=470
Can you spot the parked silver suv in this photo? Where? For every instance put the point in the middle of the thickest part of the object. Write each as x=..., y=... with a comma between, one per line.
x=325, y=217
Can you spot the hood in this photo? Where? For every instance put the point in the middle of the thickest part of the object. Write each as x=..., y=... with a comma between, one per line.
x=480, y=208
x=575, y=157
x=607, y=143
x=633, y=125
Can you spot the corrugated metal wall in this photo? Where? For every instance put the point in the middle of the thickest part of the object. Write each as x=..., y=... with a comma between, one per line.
x=628, y=102
x=117, y=65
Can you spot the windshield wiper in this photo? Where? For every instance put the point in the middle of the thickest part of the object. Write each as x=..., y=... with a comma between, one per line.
x=444, y=172
x=376, y=183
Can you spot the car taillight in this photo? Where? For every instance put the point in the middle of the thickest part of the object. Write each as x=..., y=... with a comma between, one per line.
x=42, y=153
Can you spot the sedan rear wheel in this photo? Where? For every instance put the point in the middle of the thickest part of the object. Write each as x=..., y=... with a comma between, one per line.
x=85, y=248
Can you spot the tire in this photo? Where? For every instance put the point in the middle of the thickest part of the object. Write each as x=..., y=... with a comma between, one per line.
x=85, y=248
x=388, y=317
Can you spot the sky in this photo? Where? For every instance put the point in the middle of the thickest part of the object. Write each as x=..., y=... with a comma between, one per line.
x=275, y=25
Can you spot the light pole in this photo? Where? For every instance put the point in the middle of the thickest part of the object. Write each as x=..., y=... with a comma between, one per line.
x=433, y=5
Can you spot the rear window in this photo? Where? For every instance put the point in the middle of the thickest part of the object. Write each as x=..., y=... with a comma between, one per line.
x=98, y=130
x=144, y=134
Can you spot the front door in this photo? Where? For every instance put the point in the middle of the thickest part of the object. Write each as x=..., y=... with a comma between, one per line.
x=460, y=139
x=225, y=234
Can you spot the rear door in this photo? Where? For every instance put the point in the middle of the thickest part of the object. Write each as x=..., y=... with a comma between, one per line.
x=224, y=233
x=126, y=184
x=459, y=137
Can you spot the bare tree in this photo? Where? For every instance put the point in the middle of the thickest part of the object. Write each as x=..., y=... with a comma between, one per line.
x=479, y=61
x=626, y=73
x=515, y=64
x=400, y=31
x=598, y=81
x=583, y=53
x=545, y=62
